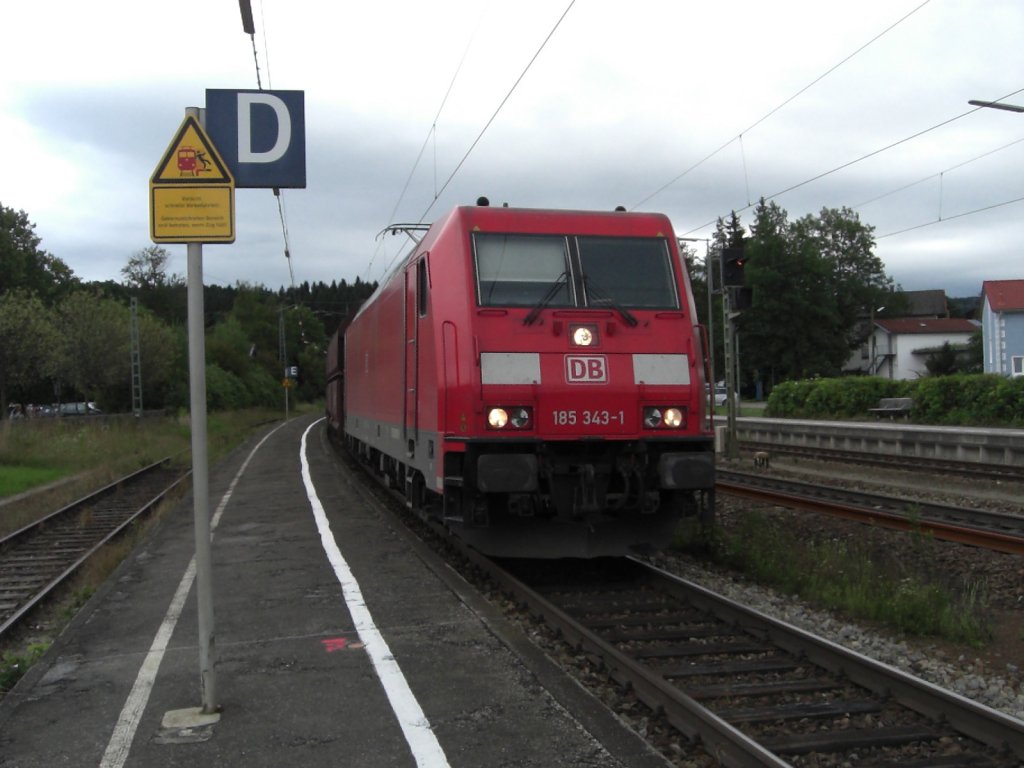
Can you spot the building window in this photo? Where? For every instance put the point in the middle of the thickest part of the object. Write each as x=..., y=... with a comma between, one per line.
x=1017, y=365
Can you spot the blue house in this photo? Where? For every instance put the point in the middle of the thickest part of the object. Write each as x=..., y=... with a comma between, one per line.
x=1002, y=323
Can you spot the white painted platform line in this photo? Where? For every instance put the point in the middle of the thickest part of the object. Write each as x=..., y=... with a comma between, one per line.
x=418, y=733
x=128, y=721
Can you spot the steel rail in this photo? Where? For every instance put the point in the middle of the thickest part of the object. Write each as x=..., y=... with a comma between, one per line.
x=730, y=746
x=969, y=469
x=988, y=725
x=92, y=497
x=97, y=496
x=865, y=513
x=722, y=740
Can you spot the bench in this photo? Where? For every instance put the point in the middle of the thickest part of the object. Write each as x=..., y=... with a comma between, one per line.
x=893, y=407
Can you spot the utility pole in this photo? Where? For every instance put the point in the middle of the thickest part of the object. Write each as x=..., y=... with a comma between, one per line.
x=283, y=354
x=709, y=284
x=136, y=360
x=734, y=299
x=732, y=450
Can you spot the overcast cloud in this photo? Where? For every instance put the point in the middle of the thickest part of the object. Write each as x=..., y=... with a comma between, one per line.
x=623, y=99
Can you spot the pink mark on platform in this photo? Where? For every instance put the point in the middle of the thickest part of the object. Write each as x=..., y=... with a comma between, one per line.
x=332, y=644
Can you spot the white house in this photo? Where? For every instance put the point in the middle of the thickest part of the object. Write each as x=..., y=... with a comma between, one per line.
x=899, y=347
x=1002, y=323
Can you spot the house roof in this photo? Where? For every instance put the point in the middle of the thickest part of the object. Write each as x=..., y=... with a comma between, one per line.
x=927, y=303
x=909, y=325
x=1004, y=295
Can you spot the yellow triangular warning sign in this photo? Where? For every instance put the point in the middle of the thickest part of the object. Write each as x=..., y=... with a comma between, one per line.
x=191, y=158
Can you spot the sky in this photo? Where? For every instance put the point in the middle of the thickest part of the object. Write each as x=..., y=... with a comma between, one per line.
x=690, y=109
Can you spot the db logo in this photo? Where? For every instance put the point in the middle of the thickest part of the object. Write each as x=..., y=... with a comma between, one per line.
x=586, y=370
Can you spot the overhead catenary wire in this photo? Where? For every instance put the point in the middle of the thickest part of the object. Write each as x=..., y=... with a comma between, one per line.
x=249, y=27
x=431, y=133
x=850, y=163
x=508, y=95
x=951, y=218
x=935, y=175
x=739, y=136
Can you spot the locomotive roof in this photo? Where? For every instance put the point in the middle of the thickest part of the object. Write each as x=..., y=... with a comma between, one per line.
x=556, y=220
x=545, y=221
x=540, y=221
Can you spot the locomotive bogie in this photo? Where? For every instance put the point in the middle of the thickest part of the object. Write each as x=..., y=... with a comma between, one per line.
x=535, y=380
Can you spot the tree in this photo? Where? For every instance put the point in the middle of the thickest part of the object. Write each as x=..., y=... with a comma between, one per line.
x=729, y=234
x=856, y=275
x=163, y=356
x=95, y=344
x=28, y=342
x=146, y=278
x=95, y=353
x=306, y=344
x=948, y=359
x=790, y=331
x=147, y=269
x=259, y=317
x=942, y=361
x=813, y=281
x=24, y=265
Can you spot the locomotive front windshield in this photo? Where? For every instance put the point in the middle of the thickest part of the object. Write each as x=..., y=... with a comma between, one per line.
x=575, y=271
x=520, y=270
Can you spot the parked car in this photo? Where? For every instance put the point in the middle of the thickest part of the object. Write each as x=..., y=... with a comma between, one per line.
x=721, y=396
x=79, y=409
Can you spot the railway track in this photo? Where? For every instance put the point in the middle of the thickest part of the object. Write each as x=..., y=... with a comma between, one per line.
x=752, y=690
x=39, y=558
x=969, y=469
x=992, y=530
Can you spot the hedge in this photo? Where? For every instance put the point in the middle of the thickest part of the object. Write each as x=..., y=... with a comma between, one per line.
x=962, y=399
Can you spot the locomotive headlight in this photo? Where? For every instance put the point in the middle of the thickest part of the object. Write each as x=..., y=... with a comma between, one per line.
x=520, y=418
x=652, y=418
x=497, y=418
x=510, y=417
x=583, y=335
x=664, y=417
x=673, y=418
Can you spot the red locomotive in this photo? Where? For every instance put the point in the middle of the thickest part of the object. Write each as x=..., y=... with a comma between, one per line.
x=536, y=380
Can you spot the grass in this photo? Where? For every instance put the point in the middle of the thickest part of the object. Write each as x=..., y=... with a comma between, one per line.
x=33, y=453
x=15, y=479
x=849, y=577
x=14, y=665
x=45, y=449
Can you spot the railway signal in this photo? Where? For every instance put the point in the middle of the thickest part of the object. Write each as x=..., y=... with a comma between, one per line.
x=733, y=262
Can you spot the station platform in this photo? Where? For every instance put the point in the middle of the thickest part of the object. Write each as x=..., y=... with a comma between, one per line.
x=371, y=654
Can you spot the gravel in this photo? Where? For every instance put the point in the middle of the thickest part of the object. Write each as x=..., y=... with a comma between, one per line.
x=990, y=676
x=967, y=675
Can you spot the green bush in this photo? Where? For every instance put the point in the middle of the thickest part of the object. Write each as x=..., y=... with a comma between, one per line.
x=264, y=390
x=224, y=390
x=960, y=399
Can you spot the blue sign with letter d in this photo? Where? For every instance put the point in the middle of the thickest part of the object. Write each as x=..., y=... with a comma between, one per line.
x=261, y=135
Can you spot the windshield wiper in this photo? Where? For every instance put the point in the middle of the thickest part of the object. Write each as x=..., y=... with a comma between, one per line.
x=602, y=295
x=545, y=300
